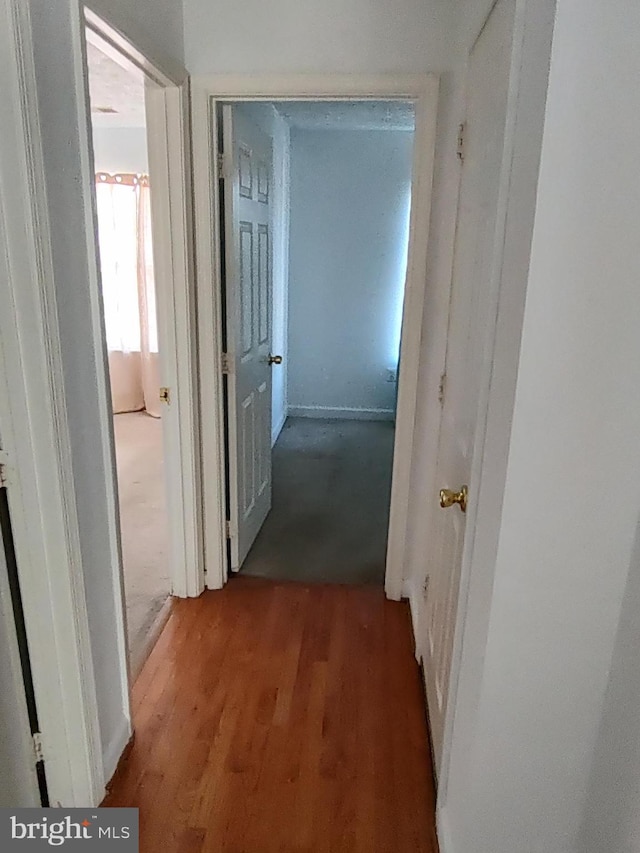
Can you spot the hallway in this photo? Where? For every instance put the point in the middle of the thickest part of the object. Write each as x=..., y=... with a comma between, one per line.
x=330, y=504
x=281, y=717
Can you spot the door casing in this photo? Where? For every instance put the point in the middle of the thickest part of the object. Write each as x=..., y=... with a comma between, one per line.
x=35, y=430
x=207, y=93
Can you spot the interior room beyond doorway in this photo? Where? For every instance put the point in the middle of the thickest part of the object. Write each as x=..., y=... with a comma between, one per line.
x=339, y=203
x=118, y=117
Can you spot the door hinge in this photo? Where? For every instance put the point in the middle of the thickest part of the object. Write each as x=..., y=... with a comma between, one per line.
x=462, y=132
x=228, y=528
x=37, y=746
x=225, y=362
x=4, y=469
x=442, y=387
x=221, y=162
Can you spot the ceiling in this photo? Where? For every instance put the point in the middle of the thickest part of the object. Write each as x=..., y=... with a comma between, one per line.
x=117, y=100
x=349, y=115
x=117, y=94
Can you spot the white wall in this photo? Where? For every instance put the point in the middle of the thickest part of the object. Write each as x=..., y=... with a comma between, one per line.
x=120, y=149
x=612, y=817
x=350, y=199
x=274, y=125
x=154, y=26
x=548, y=728
x=304, y=35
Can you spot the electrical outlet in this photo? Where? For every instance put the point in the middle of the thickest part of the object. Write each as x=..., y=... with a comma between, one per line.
x=391, y=375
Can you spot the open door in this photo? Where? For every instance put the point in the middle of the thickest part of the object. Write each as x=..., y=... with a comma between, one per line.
x=247, y=286
x=471, y=333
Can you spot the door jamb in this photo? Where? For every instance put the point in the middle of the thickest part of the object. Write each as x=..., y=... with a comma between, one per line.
x=422, y=89
x=36, y=439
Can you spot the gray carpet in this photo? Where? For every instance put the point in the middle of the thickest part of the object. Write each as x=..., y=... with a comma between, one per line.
x=330, y=507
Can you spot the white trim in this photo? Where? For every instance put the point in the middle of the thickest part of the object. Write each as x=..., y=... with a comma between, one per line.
x=414, y=613
x=423, y=90
x=341, y=412
x=138, y=660
x=35, y=433
x=116, y=747
x=209, y=299
x=314, y=87
x=412, y=315
x=442, y=831
x=167, y=135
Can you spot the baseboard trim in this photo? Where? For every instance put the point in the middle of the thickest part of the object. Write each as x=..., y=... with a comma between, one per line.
x=341, y=413
x=442, y=831
x=275, y=431
x=126, y=752
x=415, y=624
x=138, y=661
x=114, y=752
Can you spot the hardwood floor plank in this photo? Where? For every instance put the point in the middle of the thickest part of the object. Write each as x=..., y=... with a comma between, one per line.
x=281, y=717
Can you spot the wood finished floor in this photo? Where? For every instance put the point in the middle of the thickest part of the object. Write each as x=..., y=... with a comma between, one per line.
x=281, y=717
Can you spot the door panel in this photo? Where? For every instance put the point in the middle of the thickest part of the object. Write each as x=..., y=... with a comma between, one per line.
x=470, y=336
x=248, y=313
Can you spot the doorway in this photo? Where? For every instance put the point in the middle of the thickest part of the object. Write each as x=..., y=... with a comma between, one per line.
x=125, y=238
x=225, y=503
x=316, y=223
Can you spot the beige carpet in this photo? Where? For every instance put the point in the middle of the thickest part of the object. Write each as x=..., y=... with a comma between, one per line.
x=143, y=518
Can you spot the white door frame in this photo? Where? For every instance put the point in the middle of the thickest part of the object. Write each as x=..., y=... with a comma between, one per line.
x=35, y=430
x=167, y=111
x=36, y=440
x=422, y=89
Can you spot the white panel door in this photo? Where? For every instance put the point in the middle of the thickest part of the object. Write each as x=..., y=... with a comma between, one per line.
x=470, y=336
x=18, y=780
x=247, y=187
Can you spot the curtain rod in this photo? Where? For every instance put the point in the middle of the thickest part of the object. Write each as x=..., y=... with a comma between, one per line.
x=127, y=179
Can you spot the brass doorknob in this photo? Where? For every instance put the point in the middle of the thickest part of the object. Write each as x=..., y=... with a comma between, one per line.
x=449, y=498
x=275, y=359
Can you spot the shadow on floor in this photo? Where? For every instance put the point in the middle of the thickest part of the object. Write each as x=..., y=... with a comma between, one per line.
x=330, y=505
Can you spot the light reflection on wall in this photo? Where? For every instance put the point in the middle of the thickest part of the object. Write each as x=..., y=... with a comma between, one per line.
x=400, y=275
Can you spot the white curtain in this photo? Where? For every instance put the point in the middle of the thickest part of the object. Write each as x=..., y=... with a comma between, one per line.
x=128, y=291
